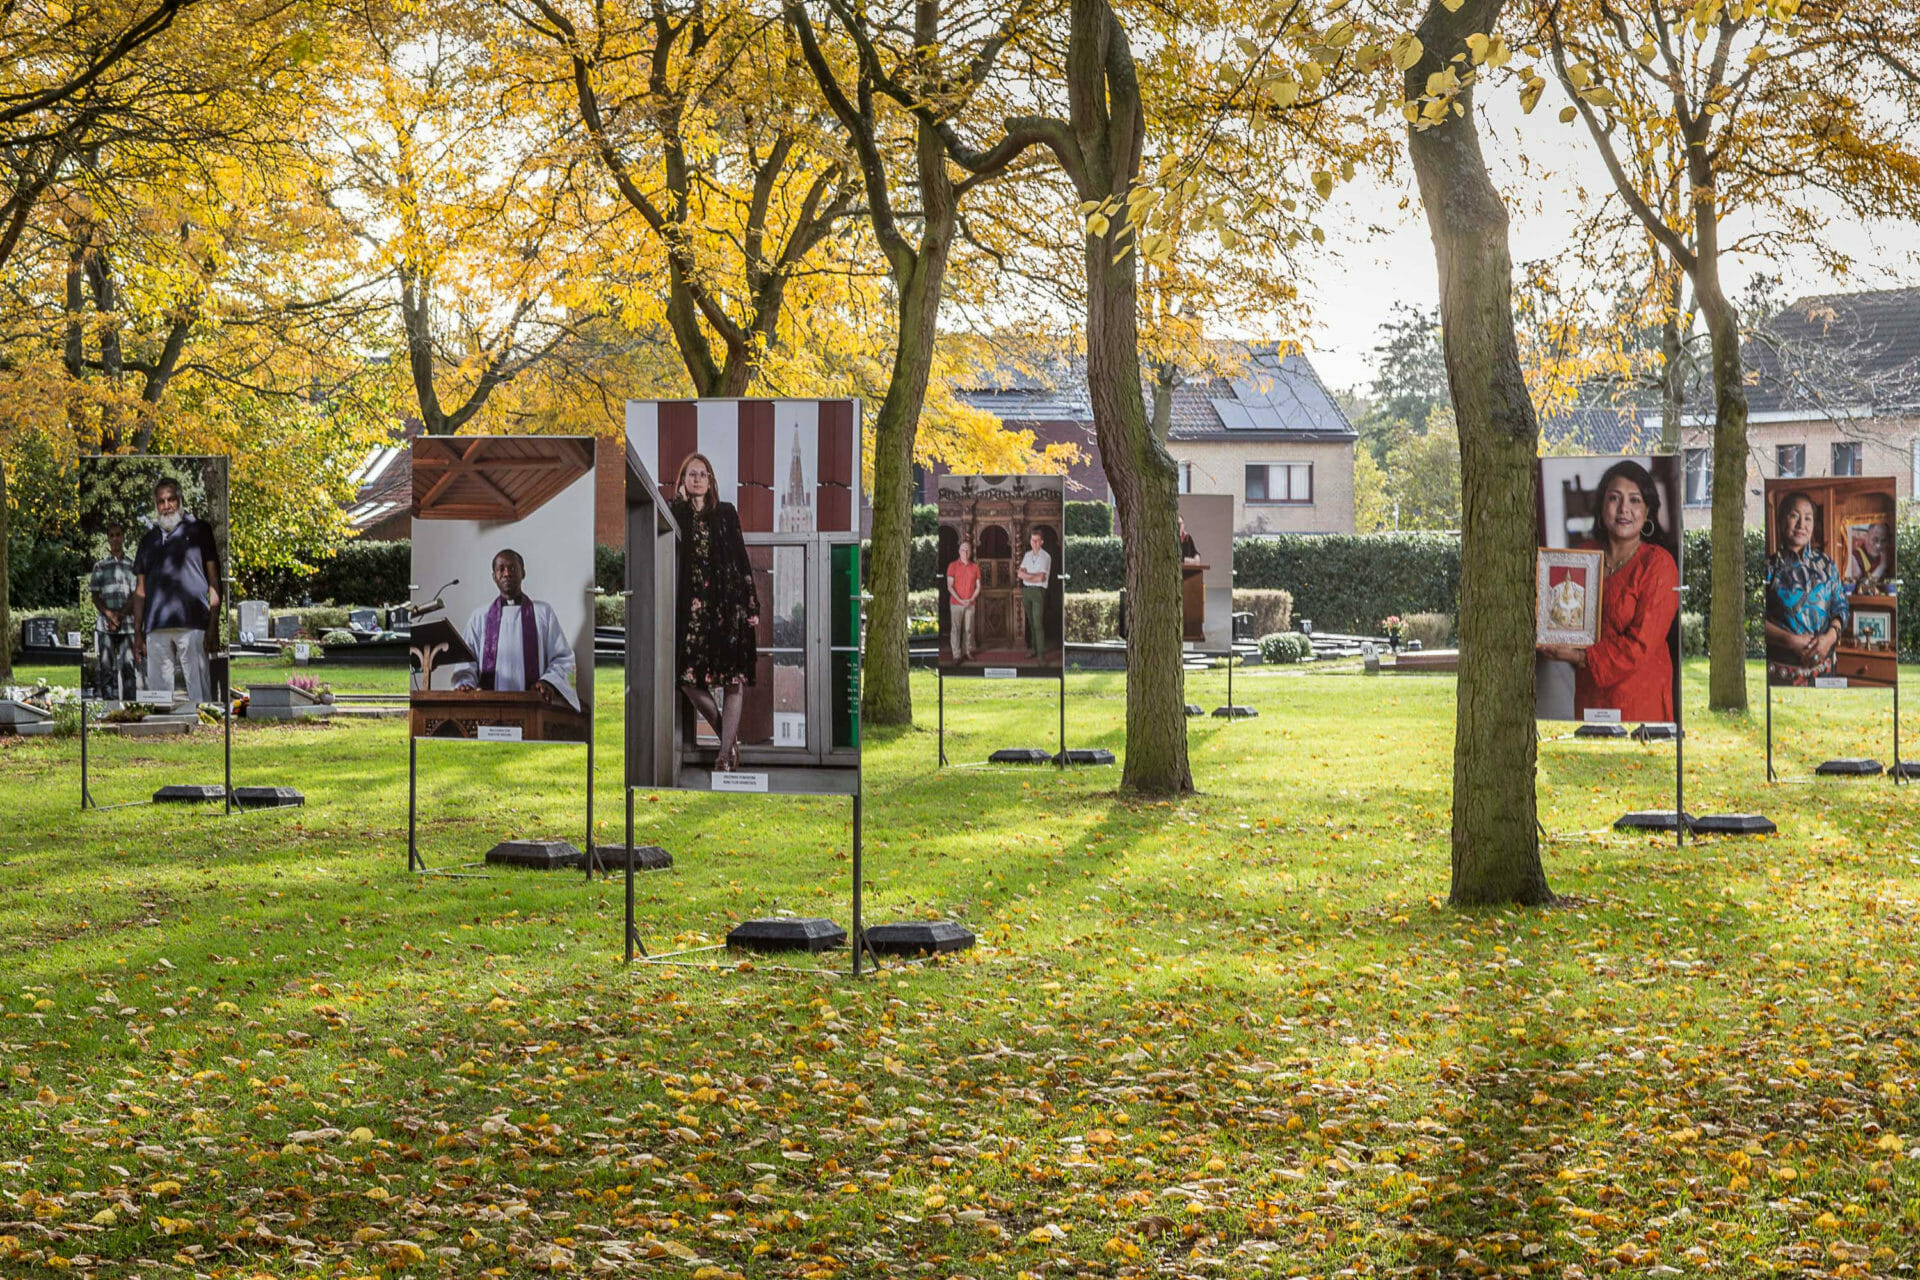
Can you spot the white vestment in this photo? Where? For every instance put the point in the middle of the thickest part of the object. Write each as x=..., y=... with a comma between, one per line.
x=555, y=659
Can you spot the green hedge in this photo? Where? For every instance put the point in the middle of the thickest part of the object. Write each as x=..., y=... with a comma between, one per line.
x=1089, y=520
x=1348, y=582
x=362, y=574
x=926, y=519
x=42, y=573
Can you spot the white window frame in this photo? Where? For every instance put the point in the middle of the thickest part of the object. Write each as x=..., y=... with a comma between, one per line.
x=1186, y=477
x=1289, y=500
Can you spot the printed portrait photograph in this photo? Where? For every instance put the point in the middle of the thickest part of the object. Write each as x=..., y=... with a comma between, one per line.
x=1607, y=599
x=1002, y=601
x=1829, y=574
x=153, y=530
x=743, y=605
x=1206, y=571
x=503, y=576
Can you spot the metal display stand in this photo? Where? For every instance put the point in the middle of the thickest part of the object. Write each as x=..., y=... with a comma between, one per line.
x=226, y=730
x=1059, y=759
x=636, y=947
x=1902, y=771
x=589, y=856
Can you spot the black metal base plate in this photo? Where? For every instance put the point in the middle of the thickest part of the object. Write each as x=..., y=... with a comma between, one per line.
x=267, y=797
x=1195, y=709
x=1601, y=731
x=1906, y=769
x=788, y=933
x=1734, y=824
x=1649, y=820
x=1086, y=755
x=1020, y=755
x=183, y=794
x=646, y=857
x=1234, y=713
x=1850, y=767
x=919, y=937
x=1655, y=733
x=540, y=855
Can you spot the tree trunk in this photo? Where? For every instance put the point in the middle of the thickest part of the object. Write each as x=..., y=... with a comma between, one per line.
x=6, y=583
x=885, y=697
x=1727, y=610
x=1496, y=851
x=1109, y=126
x=1672, y=373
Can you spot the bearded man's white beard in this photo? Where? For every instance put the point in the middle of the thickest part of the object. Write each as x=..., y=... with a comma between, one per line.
x=168, y=523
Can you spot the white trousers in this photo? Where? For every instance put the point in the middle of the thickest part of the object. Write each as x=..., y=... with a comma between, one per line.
x=960, y=628
x=183, y=649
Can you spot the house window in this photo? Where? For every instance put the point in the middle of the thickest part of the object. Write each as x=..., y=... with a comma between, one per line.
x=1789, y=460
x=1280, y=482
x=1186, y=477
x=1846, y=459
x=1699, y=477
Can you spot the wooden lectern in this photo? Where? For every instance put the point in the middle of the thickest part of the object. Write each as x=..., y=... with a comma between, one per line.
x=1193, y=602
x=462, y=713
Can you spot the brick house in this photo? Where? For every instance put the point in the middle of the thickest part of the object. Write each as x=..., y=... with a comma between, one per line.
x=1833, y=390
x=1273, y=438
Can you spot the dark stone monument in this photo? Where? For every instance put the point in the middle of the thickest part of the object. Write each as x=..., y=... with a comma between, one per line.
x=1195, y=709
x=1850, y=767
x=919, y=937
x=285, y=627
x=1601, y=731
x=1655, y=733
x=1020, y=755
x=1234, y=713
x=788, y=933
x=540, y=855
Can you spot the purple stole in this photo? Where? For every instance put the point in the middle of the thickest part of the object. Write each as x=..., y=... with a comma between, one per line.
x=529, y=645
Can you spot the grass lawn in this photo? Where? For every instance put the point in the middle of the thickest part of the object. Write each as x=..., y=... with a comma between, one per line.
x=1234, y=1035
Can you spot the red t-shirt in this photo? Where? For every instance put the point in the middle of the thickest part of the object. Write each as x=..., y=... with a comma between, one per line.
x=963, y=581
x=1630, y=668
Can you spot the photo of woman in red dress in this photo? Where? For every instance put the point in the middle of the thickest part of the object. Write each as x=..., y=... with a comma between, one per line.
x=1629, y=669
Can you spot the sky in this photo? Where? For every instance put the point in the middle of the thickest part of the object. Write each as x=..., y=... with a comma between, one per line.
x=1378, y=253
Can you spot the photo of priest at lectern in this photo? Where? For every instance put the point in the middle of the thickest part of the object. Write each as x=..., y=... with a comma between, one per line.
x=502, y=638
x=518, y=640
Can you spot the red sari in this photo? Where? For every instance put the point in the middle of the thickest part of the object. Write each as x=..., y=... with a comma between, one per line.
x=1630, y=669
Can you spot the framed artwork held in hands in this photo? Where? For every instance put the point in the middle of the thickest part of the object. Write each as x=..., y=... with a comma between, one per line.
x=1567, y=595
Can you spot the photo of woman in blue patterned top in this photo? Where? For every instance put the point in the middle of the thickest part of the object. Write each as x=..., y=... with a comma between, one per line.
x=1806, y=599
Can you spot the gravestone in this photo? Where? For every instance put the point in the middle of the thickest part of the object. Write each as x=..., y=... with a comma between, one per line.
x=286, y=626
x=400, y=619
x=363, y=620
x=253, y=621
x=23, y=719
x=40, y=633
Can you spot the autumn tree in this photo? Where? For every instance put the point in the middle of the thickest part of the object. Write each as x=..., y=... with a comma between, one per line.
x=466, y=213
x=897, y=82
x=1496, y=851
x=1730, y=126
x=706, y=123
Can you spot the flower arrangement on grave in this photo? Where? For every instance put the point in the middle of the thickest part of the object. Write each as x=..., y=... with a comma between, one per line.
x=1394, y=628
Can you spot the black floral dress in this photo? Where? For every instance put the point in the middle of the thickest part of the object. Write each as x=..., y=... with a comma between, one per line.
x=714, y=597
